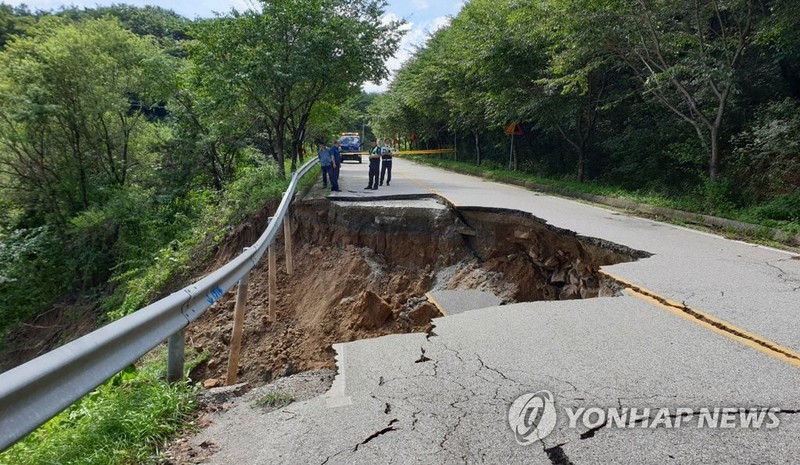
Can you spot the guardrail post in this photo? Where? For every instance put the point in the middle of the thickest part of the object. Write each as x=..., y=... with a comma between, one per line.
x=273, y=282
x=287, y=240
x=176, y=357
x=238, y=323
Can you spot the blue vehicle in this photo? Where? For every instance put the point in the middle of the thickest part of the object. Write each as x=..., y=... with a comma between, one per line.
x=350, y=146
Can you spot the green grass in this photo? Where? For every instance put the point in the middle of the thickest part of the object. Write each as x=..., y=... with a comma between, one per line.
x=782, y=213
x=275, y=399
x=127, y=420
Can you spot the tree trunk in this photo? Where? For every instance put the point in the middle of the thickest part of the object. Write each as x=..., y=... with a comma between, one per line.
x=713, y=164
x=296, y=148
x=514, y=156
x=581, y=163
x=455, y=145
x=477, y=147
x=280, y=149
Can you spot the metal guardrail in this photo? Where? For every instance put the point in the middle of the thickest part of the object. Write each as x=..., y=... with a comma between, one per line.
x=34, y=392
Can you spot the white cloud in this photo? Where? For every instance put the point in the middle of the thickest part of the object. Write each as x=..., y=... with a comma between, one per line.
x=416, y=36
x=421, y=5
x=440, y=22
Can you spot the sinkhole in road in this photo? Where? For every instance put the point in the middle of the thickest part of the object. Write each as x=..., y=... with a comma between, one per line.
x=365, y=269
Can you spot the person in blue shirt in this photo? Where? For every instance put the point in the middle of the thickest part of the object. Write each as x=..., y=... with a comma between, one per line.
x=325, y=161
x=336, y=155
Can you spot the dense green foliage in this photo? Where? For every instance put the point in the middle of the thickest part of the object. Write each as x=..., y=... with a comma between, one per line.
x=131, y=136
x=272, y=67
x=693, y=100
x=132, y=141
x=121, y=422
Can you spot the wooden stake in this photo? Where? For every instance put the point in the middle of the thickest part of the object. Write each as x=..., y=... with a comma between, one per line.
x=238, y=323
x=287, y=240
x=273, y=285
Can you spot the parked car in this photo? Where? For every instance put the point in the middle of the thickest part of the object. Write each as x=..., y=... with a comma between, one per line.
x=350, y=146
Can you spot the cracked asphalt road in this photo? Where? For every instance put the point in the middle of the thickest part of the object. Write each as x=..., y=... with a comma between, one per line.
x=444, y=397
x=750, y=286
x=452, y=408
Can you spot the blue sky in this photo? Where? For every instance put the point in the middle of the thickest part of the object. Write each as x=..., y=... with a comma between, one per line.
x=423, y=17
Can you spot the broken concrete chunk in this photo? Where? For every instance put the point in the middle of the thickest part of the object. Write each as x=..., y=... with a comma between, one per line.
x=219, y=395
x=559, y=277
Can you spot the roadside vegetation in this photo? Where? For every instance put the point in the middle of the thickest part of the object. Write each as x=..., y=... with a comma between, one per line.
x=126, y=420
x=132, y=141
x=778, y=213
x=691, y=105
x=275, y=400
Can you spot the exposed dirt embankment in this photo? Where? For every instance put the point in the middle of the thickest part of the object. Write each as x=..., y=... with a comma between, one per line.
x=408, y=233
x=363, y=269
x=545, y=262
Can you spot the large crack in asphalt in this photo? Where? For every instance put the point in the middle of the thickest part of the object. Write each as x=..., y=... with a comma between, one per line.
x=480, y=370
x=432, y=362
x=557, y=455
x=390, y=427
x=473, y=235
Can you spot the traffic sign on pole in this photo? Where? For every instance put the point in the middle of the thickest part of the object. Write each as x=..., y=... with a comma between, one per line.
x=513, y=129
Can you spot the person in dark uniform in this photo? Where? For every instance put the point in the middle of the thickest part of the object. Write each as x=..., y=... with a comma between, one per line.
x=374, y=164
x=386, y=161
x=336, y=156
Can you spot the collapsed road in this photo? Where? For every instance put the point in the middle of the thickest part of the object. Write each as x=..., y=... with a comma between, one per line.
x=367, y=268
x=593, y=314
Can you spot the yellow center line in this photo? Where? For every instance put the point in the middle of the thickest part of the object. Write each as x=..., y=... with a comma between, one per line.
x=710, y=322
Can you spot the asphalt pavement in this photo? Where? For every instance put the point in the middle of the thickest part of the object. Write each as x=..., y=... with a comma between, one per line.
x=451, y=395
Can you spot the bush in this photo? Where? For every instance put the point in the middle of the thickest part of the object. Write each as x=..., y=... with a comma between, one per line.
x=717, y=198
x=767, y=155
x=33, y=273
x=141, y=284
x=785, y=208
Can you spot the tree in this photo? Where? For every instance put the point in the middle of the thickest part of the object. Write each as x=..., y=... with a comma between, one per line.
x=208, y=134
x=281, y=61
x=73, y=99
x=685, y=53
x=572, y=76
x=13, y=21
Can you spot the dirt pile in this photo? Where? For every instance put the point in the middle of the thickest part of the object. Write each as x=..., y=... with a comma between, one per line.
x=363, y=269
x=337, y=294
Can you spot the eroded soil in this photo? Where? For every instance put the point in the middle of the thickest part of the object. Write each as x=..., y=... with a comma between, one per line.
x=362, y=270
